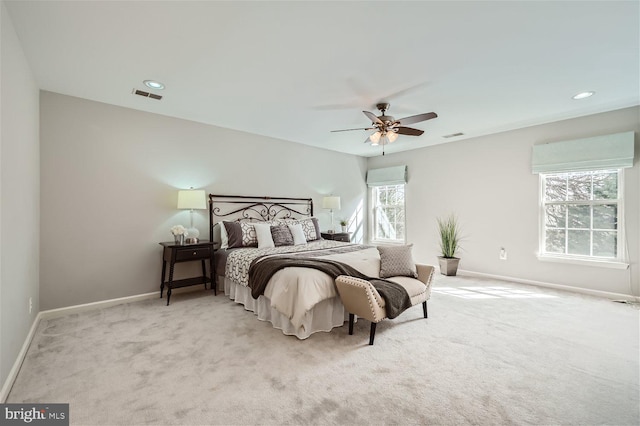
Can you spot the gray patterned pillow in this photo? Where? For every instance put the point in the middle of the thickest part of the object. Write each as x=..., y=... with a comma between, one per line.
x=309, y=227
x=397, y=261
x=241, y=234
x=281, y=235
x=249, y=236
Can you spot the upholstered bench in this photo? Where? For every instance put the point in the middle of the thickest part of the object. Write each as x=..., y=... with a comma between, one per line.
x=360, y=297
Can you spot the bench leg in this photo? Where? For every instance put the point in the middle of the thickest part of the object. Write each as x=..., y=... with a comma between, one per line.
x=350, y=324
x=372, y=335
x=424, y=308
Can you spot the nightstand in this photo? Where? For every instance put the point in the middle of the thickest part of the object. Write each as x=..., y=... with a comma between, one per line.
x=337, y=236
x=173, y=253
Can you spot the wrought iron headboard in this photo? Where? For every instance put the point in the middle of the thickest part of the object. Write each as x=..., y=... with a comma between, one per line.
x=241, y=207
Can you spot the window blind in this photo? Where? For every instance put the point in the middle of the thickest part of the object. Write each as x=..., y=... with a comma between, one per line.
x=387, y=176
x=596, y=153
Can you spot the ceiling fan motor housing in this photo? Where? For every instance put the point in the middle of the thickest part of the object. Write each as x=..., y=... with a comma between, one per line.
x=386, y=119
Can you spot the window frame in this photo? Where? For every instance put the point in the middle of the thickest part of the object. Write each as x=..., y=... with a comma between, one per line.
x=620, y=261
x=373, y=216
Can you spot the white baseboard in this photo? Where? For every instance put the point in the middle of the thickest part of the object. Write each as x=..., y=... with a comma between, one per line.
x=598, y=293
x=13, y=373
x=54, y=313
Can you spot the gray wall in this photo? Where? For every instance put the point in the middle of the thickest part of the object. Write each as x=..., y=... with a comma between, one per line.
x=487, y=182
x=19, y=192
x=109, y=182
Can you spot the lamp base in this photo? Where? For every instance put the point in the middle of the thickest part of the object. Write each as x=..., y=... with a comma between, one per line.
x=193, y=234
x=193, y=240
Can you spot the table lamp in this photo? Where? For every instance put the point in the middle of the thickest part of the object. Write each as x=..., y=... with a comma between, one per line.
x=192, y=199
x=332, y=203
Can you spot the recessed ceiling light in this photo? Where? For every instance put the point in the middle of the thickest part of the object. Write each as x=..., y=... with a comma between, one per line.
x=583, y=95
x=153, y=84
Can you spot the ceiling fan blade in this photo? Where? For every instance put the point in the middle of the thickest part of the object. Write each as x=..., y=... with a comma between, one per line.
x=409, y=131
x=348, y=130
x=402, y=92
x=372, y=117
x=417, y=118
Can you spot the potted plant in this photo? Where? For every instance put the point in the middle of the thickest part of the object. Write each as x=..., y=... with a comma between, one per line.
x=449, y=244
x=344, y=224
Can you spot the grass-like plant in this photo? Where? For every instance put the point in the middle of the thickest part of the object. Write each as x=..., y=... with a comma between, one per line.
x=449, y=235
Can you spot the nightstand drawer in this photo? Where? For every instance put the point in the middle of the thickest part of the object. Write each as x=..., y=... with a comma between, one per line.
x=337, y=236
x=193, y=254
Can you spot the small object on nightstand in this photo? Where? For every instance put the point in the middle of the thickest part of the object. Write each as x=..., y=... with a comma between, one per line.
x=337, y=236
x=175, y=253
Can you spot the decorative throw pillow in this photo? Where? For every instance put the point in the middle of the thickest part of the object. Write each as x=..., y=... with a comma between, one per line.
x=234, y=234
x=249, y=238
x=224, y=238
x=281, y=235
x=241, y=234
x=309, y=229
x=263, y=234
x=298, y=234
x=317, y=226
x=396, y=261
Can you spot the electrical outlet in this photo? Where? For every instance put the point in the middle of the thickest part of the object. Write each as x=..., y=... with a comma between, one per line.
x=30, y=304
x=503, y=253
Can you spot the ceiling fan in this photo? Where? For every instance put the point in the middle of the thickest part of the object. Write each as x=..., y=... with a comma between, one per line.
x=388, y=128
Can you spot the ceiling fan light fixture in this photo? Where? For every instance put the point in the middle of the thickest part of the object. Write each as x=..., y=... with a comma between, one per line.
x=375, y=138
x=392, y=136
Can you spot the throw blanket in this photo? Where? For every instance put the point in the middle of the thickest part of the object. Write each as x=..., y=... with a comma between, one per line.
x=395, y=296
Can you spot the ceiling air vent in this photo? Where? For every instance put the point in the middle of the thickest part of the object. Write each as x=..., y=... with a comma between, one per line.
x=146, y=94
x=453, y=135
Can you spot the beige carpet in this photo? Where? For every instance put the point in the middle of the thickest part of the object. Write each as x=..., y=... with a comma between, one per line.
x=491, y=353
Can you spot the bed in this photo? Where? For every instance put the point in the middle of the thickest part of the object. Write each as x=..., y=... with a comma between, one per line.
x=298, y=301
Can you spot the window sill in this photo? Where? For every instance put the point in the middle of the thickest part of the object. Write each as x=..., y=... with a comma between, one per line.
x=611, y=264
x=387, y=242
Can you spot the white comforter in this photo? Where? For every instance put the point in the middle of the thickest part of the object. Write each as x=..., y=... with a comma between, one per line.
x=295, y=291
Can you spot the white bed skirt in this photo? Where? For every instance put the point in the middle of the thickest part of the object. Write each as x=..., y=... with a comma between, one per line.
x=324, y=316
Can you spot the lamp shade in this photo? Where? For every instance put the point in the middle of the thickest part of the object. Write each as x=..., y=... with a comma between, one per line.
x=192, y=199
x=332, y=203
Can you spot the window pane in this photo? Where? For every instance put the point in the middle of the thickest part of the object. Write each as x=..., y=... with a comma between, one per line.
x=579, y=217
x=579, y=242
x=605, y=216
x=382, y=198
x=605, y=243
x=579, y=186
x=605, y=186
x=555, y=217
x=390, y=213
x=555, y=241
x=555, y=188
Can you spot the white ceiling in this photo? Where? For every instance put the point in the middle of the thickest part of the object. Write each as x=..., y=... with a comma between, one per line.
x=296, y=70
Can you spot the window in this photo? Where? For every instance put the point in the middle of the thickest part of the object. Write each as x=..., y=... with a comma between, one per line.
x=580, y=215
x=388, y=213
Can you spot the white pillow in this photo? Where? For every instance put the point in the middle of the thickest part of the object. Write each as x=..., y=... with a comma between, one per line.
x=224, y=237
x=263, y=233
x=298, y=234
